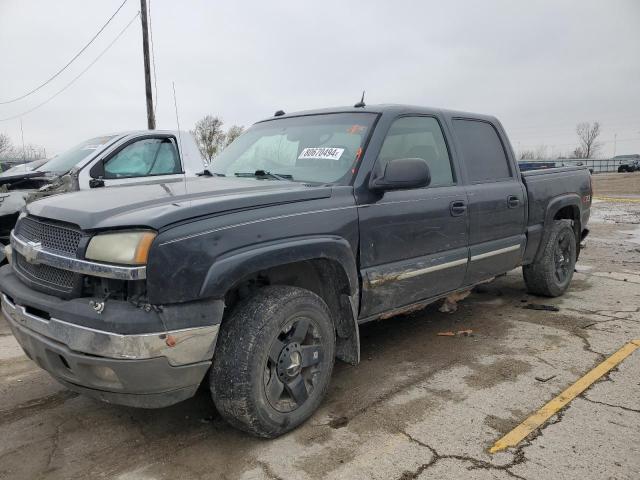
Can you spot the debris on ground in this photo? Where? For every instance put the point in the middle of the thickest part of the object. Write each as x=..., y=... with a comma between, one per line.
x=545, y=379
x=450, y=303
x=339, y=422
x=459, y=333
x=539, y=306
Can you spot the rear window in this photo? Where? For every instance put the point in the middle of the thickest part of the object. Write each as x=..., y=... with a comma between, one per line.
x=482, y=150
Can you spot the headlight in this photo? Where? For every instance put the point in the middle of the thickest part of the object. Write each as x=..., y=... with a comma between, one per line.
x=130, y=248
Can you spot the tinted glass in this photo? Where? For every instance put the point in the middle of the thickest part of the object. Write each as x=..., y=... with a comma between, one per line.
x=419, y=137
x=315, y=148
x=66, y=161
x=482, y=150
x=151, y=156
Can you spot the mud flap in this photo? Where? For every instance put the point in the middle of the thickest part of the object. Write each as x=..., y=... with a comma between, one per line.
x=348, y=332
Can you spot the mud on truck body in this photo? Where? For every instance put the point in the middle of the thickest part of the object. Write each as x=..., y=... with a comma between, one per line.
x=259, y=275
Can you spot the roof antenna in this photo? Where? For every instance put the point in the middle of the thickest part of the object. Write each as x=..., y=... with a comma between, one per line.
x=361, y=103
x=181, y=154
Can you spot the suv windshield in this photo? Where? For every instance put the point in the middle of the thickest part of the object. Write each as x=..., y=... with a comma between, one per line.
x=69, y=159
x=315, y=148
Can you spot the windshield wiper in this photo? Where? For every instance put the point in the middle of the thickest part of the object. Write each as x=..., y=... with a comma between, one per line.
x=208, y=173
x=263, y=174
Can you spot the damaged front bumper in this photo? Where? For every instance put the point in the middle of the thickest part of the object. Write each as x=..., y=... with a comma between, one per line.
x=121, y=356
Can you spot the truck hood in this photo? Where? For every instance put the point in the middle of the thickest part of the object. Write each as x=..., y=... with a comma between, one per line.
x=161, y=204
x=26, y=180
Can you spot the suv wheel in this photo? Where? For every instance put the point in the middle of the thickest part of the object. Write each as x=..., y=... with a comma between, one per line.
x=551, y=274
x=273, y=360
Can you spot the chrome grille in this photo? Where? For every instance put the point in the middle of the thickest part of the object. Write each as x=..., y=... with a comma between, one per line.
x=46, y=276
x=52, y=236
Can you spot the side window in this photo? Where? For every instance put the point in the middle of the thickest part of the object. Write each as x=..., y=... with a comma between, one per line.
x=419, y=137
x=482, y=150
x=151, y=156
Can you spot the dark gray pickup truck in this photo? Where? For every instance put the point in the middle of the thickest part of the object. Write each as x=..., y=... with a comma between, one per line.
x=258, y=275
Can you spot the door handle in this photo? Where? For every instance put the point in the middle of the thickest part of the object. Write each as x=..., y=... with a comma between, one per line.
x=457, y=208
x=513, y=201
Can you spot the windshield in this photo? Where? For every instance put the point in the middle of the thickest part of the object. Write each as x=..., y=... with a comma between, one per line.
x=315, y=148
x=69, y=159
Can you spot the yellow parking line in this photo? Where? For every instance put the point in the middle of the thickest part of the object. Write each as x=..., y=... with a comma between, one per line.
x=617, y=199
x=518, y=434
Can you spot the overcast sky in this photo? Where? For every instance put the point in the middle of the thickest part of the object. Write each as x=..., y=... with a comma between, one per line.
x=541, y=67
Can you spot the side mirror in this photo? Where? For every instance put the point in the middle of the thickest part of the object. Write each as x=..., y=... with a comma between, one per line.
x=403, y=173
x=96, y=182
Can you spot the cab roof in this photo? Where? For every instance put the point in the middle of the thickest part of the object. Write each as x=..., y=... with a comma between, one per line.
x=385, y=109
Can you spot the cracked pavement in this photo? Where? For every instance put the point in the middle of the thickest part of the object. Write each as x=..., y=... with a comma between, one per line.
x=419, y=406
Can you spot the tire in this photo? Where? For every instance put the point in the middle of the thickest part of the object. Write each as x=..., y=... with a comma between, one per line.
x=551, y=274
x=261, y=344
x=622, y=169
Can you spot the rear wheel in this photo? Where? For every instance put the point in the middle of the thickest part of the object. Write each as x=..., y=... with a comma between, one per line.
x=273, y=360
x=551, y=274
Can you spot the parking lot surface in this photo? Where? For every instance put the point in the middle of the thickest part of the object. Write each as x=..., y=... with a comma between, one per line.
x=419, y=406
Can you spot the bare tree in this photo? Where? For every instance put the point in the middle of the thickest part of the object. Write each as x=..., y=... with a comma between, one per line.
x=588, y=136
x=209, y=136
x=5, y=144
x=540, y=153
x=234, y=132
x=527, y=155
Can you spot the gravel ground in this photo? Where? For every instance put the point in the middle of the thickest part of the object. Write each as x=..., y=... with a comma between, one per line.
x=418, y=406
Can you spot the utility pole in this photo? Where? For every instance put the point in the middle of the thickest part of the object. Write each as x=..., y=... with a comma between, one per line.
x=151, y=118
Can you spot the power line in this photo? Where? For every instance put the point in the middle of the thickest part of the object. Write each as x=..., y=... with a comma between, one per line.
x=68, y=63
x=77, y=77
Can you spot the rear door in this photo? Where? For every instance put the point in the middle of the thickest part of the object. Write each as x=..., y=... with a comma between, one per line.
x=496, y=200
x=413, y=243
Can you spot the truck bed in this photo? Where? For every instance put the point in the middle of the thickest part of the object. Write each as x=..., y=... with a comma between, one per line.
x=553, y=186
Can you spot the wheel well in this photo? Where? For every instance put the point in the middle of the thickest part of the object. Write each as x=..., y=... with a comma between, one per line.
x=324, y=277
x=570, y=212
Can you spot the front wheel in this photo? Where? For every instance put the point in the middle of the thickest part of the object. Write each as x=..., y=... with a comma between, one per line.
x=551, y=274
x=273, y=360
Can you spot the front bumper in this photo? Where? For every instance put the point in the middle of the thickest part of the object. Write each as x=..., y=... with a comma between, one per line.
x=150, y=369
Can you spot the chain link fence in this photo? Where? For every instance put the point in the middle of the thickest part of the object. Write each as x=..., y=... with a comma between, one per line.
x=600, y=165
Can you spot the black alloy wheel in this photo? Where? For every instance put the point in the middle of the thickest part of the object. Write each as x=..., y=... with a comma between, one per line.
x=294, y=365
x=562, y=256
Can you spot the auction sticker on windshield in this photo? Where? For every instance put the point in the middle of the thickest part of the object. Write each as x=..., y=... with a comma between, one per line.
x=321, y=153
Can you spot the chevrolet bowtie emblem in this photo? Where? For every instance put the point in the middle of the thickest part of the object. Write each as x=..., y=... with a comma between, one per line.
x=31, y=252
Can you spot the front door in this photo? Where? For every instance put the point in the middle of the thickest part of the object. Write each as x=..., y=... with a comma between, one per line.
x=413, y=243
x=149, y=159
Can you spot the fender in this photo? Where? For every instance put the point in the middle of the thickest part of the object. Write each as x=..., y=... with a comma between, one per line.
x=553, y=207
x=235, y=265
